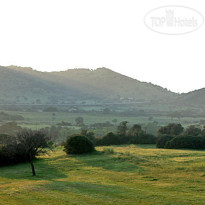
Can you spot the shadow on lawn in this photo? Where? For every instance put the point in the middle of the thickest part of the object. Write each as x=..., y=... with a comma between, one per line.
x=44, y=171
x=112, y=162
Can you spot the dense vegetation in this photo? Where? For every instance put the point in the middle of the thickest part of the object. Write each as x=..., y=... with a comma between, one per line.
x=23, y=148
x=78, y=144
x=173, y=137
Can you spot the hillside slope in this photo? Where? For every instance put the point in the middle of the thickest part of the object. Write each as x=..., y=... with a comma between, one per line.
x=25, y=85
x=194, y=98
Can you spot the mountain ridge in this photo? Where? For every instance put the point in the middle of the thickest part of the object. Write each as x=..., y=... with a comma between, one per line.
x=73, y=85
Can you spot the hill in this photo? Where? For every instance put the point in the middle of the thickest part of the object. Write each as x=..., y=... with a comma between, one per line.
x=194, y=98
x=28, y=86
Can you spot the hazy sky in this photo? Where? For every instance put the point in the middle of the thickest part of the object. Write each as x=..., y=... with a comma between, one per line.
x=61, y=34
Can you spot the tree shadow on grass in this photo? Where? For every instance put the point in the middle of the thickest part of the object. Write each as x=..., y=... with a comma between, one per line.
x=44, y=171
x=98, y=191
x=114, y=162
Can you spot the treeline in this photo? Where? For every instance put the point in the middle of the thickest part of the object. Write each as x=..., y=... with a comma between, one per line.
x=174, y=136
x=124, y=135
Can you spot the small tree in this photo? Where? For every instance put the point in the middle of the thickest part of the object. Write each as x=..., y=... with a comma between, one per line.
x=122, y=128
x=31, y=144
x=136, y=130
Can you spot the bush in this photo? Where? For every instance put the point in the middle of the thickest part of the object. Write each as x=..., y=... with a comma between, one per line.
x=109, y=139
x=11, y=154
x=78, y=144
x=186, y=142
x=143, y=139
x=162, y=140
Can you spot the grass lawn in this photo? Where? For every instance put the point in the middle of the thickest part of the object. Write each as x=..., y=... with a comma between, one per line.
x=130, y=175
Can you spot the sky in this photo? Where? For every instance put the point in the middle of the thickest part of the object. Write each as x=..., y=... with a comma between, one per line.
x=54, y=35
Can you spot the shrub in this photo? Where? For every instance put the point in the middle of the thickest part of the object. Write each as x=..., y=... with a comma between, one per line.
x=143, y=139
x=78, y=144
x=162, y=140
x=109, y=139
x=186, y=142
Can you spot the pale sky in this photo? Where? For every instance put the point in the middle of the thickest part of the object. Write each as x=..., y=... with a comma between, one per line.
x=57, y=35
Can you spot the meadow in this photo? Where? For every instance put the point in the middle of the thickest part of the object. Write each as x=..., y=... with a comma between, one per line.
x=134, y=174
x=37, y=120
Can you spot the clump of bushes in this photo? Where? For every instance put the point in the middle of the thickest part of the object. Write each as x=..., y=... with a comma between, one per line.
x=109, y=139
x=78, y=144
x=162, y=140
x=143, y=139
x=186, y=142
x=114, y=139
x=173, y=137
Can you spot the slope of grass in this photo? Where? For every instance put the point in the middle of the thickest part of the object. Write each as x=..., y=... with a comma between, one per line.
x=129, y=175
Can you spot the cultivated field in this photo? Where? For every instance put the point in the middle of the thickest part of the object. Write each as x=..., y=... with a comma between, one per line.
x=113, y=175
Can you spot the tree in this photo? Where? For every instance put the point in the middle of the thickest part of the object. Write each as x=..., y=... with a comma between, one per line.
x=89, y=135
x=122, y=128
x=79, y=121
x=135, y=130
x=32, y=144
x=193, y=131
x=171, y=129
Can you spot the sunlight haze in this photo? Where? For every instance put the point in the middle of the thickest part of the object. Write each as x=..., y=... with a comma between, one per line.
x=59, y=35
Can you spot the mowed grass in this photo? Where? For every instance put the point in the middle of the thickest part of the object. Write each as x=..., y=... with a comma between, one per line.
x=129, y=175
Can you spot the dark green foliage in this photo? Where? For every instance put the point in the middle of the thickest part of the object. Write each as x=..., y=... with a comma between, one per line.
x=171, y=129
x=143, y=139
x=78, y=144
x=136, y=130
x=139, y=136
x=135, y=138
x=24, y=148
x=193, y=131
x=162, y=140
x=109, y=139
x=89, y=135
x=10, y=151
x=186, y=142
x=122, y=128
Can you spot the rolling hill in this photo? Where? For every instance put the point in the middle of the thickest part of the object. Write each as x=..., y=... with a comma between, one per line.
x=194, y=98
x=28, y=86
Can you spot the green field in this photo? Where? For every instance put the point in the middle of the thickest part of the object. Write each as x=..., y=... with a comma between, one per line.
x=130, y=175
x=37, y=120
